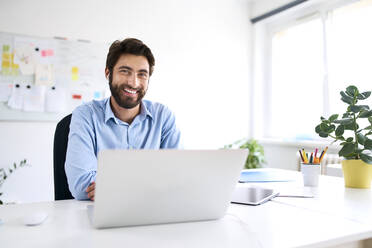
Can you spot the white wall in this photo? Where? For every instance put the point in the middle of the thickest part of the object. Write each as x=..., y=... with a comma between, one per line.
x=202, y=72
x=260, y=7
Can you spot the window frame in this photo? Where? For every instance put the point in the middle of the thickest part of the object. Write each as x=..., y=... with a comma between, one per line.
x=263, y=33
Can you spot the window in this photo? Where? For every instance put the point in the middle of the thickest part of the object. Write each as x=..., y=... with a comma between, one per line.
x=349, y=50
x=312, y=60
x=296, y=80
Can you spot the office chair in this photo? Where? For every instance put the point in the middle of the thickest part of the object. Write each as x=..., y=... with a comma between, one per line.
x=61, y=190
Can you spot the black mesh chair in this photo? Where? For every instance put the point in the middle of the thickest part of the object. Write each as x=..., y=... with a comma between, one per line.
x=61, y=191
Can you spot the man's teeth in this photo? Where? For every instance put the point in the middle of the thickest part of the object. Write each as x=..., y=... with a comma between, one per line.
x=131, y=91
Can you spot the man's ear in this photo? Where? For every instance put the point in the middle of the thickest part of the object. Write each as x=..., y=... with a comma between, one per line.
x=107, y=73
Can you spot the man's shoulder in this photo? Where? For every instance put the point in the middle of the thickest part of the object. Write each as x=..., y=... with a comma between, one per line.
x=156, y=108
x=90, y=108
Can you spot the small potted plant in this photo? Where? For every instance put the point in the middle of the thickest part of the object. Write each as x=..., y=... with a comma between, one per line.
x=255, y=157
x=355, y=139
x=4, y=174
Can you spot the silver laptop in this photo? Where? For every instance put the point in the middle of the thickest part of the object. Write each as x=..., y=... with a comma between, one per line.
x=143, y=187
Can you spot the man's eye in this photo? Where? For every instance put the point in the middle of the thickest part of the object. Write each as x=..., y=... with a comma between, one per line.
x=142, y=75
x=124, y=71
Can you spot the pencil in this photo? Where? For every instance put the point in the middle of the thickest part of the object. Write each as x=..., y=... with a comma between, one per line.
x=321, y=158
x=305, y=157
x=321, y=155
x=302, y=158
x=311, y=158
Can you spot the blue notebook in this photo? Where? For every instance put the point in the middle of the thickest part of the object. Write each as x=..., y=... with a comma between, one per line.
x=264, y=176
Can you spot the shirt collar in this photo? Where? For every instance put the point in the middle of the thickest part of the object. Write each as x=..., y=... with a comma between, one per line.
x=109, y=114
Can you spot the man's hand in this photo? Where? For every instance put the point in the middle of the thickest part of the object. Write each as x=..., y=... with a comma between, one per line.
x=90, y=190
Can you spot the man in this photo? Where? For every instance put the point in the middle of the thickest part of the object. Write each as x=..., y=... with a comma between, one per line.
x=122, y=121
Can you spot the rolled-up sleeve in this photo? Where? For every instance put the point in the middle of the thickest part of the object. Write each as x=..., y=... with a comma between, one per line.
x=81, y=160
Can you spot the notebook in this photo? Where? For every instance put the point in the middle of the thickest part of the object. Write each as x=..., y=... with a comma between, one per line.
x=264, y=175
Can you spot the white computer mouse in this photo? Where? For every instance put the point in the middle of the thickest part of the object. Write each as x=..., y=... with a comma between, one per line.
x=35, y=219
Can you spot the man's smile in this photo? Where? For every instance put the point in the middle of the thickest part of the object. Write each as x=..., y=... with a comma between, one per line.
x=129, y=92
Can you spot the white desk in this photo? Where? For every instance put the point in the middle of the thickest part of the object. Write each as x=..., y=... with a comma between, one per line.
x=335, y=216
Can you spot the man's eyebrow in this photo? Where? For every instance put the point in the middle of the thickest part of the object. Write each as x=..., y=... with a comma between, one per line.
x=129, y=68
x=125, y=67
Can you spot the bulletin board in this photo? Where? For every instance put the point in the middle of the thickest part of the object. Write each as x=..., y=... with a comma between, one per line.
x=43, y=79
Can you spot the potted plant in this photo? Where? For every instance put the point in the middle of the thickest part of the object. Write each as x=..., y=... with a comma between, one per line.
x=355, y=142
x=255, y=157
x=4, y=174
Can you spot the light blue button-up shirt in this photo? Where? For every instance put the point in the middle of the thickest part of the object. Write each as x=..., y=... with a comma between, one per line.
x=94, y=127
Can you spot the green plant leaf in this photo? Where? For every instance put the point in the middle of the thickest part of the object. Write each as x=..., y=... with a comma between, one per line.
x=361, y=138
x=1, y=202
x=317, y=129
x=345, y=115
x=324, y=127
x=365, y=114
x=352, y=90
x=323, y=134
x=368, y=144
x=344, y=121
x=333, y=117
x=327, y=128
x=322, y=118
x=358, y=108
x=346, y=99
x=368, y=128
x=346, y=149
x=340, y=130
x=370, y=119
x=364, y=95
x=350, y=139
x=351, y=126
x=366, y=158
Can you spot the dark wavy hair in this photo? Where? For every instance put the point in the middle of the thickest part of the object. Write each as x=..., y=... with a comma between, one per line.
x=129, y=46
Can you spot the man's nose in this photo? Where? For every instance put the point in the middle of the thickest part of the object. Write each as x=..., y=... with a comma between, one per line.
x=133, y=81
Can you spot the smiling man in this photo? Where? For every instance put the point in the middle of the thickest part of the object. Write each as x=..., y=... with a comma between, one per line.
x=122, y=121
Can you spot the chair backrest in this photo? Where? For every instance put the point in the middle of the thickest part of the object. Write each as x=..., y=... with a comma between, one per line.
x=61, y=190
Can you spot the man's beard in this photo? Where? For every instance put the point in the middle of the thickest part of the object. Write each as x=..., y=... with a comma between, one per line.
x=125, y=101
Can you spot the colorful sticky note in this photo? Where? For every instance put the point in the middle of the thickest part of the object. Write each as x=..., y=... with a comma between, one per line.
x=75, y=73
x=5, y=64
x=75, y=70
x=6, y=48
x=75, y=77
x=50, y=52
x=97, y=95
x=76, y=96
x=6, y=56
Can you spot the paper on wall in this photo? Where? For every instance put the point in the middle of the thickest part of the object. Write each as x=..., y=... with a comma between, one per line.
x=55, y=100
x=24, y=57
x=16, y=97
x=44, y=74
x=31, y=51
x=34, y=98
x=5, y=91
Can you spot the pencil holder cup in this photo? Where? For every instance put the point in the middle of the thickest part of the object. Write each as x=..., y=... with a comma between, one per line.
x=310, y=174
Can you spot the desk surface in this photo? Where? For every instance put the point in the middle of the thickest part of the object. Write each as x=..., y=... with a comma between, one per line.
x=336, y=215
